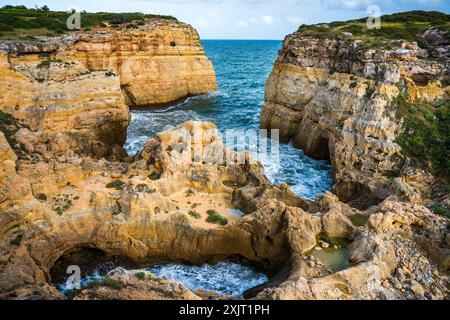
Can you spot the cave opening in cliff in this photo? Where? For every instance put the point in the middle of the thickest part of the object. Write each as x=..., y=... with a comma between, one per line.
x=321, y=149
x=90, y=261
x=232, y=275
x=357, y=195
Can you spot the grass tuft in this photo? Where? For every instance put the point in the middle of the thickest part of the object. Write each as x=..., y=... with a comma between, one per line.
x=426, y=138
x=194, y=214
x=107, y=282
x=216, y=218
x=116, y=184
x=140, y=275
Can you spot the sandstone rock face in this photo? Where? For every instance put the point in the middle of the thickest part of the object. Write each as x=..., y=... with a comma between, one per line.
x=75, y=90
x=51, y=207
x=335, y=100
x=141, y=218
x=12, y=186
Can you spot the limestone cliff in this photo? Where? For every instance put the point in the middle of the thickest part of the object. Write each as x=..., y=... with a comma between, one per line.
x=77, y=88
x=53, y=208
x=336, y=99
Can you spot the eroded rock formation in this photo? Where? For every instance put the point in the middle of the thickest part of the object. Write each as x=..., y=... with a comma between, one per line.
x=153, y=207
x=139, y=210
x=336, y=100
x=76, y=89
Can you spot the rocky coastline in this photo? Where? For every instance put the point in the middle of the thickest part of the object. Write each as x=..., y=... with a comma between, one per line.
x=76, y=89
x=338, y=100
x=66, y=185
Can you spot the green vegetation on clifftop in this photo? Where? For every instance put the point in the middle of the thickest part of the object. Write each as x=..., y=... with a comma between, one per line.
x=19, y=22
x=9, y=126
x=398, y=26
x=426, y=138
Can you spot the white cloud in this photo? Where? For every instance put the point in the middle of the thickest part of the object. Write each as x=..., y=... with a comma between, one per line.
x=391, y=4
x=242, y=24
x=268, y=19
x=265, y=19
x=294, y=20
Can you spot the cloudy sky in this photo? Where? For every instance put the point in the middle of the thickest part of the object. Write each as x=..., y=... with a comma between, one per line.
x=245, y=19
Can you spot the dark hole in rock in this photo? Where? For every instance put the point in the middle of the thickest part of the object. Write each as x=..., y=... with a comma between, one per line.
x=421, y=79
x=231, y=277
x=90, y=261
x=320, y=149
x=356, y=195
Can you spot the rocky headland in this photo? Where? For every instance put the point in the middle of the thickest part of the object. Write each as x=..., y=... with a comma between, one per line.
x=337, y=98
x=76, y=89
x=61, y=199
x=366, y=104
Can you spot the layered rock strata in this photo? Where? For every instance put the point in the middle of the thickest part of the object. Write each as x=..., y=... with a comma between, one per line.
x=77, y=88
x=336, y=100
x=140, y=210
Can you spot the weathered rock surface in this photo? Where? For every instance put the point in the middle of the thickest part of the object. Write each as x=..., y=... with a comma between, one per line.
x=335, y=100
x=136, y=285
x=139, y=210
x=75, y=90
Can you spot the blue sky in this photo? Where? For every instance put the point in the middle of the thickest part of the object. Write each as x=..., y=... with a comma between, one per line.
x=245, y=19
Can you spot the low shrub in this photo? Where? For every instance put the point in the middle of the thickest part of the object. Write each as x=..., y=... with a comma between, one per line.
x=154, y=176
x=6, y=27
x=107, y=282
x=17, y=240
x=440, y=210
x=9, y=126
x=140, y=275
x=143, y=188
x=194, y=214
x=216, y=218
x=116, y=184
x=426, y=137
x=41, y=197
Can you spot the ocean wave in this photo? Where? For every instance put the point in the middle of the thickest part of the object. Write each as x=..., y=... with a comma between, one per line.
x=241, y=73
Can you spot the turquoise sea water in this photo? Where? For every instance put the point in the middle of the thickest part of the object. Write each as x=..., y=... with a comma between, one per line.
x=242, y=68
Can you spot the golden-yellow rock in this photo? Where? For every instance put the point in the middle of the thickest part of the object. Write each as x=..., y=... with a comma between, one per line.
x=76, y=89
x=336, y=100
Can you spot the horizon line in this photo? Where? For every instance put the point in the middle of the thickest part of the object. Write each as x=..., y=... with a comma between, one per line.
x=217, y=39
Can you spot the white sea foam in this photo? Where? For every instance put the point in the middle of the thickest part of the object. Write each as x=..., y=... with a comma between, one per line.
x=241, y=69
x=224, y=277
